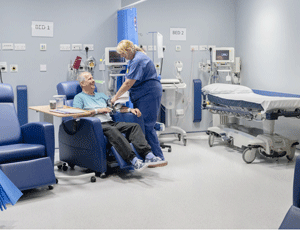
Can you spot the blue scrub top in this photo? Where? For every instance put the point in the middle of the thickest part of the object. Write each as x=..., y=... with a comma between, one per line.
x=147, y=85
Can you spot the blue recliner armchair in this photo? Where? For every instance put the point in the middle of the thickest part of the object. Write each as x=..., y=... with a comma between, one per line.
x=27, y=151
x=81, y=141
x=292, y=218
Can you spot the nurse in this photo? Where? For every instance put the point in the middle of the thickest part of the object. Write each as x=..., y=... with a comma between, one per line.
x=144, y=87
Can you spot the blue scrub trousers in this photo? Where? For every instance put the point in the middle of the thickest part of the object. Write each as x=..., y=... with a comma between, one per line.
x=149, y=109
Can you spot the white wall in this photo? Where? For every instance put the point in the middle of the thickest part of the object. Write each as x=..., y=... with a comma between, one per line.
x=207, y=23
x=75, y=21
x=267, y=40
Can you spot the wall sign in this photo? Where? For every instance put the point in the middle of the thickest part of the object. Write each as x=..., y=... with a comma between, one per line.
x=178, y=34
x=42, y=29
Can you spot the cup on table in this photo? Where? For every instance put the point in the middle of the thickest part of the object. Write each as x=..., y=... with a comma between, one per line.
x=52, y=104
x=60, y=101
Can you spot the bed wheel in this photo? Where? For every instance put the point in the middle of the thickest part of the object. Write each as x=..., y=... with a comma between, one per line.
x=211, y=139
x=291, y=156
x=249, y=155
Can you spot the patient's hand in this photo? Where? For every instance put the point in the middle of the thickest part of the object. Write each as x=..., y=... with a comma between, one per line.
x=104, y=110
x=136, y=112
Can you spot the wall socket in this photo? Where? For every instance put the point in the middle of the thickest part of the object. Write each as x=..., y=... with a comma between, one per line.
x=65, y=47
x=3, y=67
x=193, y=47
x=76, y=46
x=90, y=46
x=151, y=48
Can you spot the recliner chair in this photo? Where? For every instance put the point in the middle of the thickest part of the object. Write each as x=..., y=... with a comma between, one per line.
x=82, y=142
x=27, y=151
x=292, y=218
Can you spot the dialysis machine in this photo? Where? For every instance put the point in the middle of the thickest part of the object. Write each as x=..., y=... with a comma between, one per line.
x=116, y=68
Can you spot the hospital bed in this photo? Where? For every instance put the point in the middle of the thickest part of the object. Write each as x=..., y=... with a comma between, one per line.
x=232, y=102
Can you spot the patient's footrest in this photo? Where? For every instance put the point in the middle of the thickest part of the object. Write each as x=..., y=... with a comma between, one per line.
x=121, y=162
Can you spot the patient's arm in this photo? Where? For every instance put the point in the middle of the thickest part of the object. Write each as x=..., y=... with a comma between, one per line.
x=93, y=112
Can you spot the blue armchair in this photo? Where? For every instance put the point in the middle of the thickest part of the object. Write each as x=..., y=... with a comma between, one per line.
x=27, y=151
x=292, y=218
x=82, y=142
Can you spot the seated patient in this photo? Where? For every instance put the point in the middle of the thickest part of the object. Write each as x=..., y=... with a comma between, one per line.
x=97, y=104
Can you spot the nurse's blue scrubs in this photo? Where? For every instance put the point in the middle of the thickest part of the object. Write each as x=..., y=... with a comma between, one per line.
x=145, y=95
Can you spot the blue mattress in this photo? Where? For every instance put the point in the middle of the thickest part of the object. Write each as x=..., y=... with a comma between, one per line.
x=235, y=103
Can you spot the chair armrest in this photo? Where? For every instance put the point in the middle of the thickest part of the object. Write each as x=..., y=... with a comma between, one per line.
x=296, y=186
x=129, y=117
x=40, y=133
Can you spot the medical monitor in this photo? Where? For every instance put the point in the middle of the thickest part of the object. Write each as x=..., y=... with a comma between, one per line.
x=113, y=58
x=223, y=54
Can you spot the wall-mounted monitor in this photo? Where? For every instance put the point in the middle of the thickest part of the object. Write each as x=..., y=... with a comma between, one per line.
x=113, y=58
x=223, y=54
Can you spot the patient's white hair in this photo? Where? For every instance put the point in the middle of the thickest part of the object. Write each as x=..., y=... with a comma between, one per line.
x=81, y=77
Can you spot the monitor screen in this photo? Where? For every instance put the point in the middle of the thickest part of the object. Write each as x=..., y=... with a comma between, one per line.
x=113, y=58
x=222, y=55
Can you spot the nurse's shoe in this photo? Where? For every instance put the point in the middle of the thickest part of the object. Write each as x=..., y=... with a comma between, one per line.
x=156, y=162
x=139, y=166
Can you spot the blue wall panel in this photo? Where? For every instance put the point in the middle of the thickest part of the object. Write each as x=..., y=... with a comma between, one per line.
x=197, y=100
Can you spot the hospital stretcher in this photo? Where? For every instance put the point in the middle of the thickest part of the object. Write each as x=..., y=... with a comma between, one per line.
x=242, y=102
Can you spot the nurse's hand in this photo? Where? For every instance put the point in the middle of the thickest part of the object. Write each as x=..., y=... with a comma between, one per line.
x=136, y=112
x=113, y=100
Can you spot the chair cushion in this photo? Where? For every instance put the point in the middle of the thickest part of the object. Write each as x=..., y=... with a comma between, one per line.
x=6, y=93
x=21, y=152
x=9, y=125
x=30, y=174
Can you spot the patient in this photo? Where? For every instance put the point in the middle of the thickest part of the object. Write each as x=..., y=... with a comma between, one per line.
x=96, y=103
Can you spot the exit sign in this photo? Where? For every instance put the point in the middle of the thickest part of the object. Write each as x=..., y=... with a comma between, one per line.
x=178, y=34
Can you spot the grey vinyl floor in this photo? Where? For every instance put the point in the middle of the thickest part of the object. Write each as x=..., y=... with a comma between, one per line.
x=202, y=188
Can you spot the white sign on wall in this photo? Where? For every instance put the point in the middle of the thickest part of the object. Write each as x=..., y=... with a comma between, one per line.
x=42, y=29
x=178, y=34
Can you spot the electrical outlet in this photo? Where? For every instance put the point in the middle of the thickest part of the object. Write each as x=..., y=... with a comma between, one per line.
x=151, y=48
x=144, y=47
x=76, y=46
x=90, y=46
x=193, y=48
x=7, y=46
x=211, y=46
x=20, y=47
x=65, y=47
x=3, y=67
x=203, y=47
x=13, y=68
